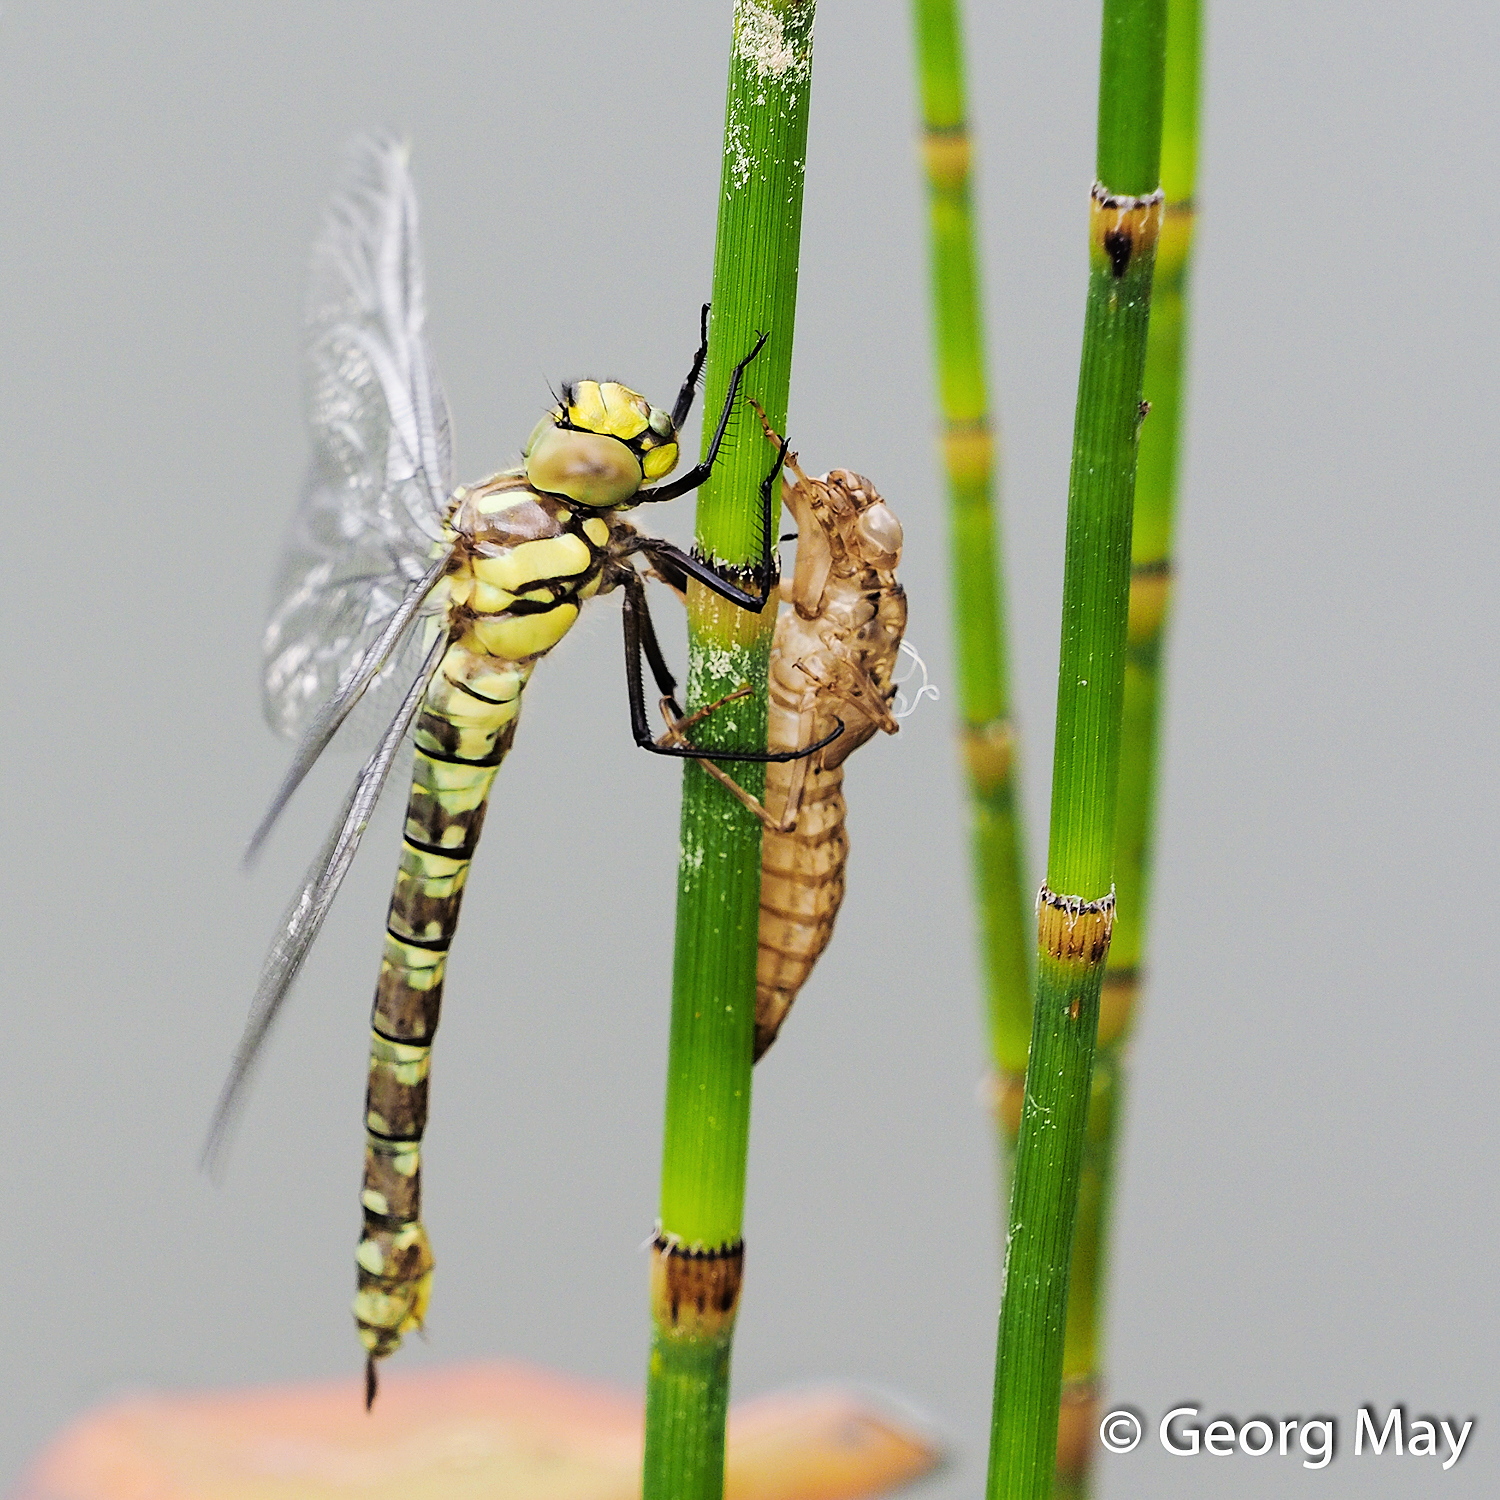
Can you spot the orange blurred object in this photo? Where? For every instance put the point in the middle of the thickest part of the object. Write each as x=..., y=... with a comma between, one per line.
x=472, y=1432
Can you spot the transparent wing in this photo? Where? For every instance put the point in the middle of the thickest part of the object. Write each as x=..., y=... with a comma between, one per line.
x=396, y=639
x=372, y=512
x=304, y=918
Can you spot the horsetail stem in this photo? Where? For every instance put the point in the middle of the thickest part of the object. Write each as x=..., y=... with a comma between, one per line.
x=698, y=1254
x=973, y=532
x=1155, y=495
x=1075, y=909
x=1150, y=586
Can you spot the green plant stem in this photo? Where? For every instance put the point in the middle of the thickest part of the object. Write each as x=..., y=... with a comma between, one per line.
x=698, y=1253
x=974, y=536
x=1155, y=503
x=1150, y=588
x=1076, y=908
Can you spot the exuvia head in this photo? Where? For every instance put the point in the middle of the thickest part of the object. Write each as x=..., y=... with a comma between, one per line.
x=600, y=444
x=868, y=528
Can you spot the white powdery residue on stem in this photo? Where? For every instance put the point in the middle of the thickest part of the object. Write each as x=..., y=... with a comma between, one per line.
x=761, y=42
x=737, y=149
x=689, y=866
x=710, y=667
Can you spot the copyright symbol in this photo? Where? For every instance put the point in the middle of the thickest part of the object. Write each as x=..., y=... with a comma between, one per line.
x=1120, y=1431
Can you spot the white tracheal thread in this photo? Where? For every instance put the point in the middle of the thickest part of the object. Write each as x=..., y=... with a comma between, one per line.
x=905, y=709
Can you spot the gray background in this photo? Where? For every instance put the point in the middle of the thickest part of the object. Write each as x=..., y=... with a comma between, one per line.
x=1307, y=1210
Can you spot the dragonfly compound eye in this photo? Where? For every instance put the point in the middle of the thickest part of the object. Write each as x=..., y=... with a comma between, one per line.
x=592, y=468
x=601, y=444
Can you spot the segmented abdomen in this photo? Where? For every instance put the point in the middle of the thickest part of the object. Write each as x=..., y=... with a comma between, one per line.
x=467, y=723
x=833, y=669
x=801, y=886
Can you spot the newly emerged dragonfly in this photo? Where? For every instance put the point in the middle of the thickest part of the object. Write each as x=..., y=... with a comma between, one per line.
x=832, y=678
x=431, y=605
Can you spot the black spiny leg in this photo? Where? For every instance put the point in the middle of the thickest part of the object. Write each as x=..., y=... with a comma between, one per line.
x=699, y=473
x=690, y=385
x=677, y=566
x=640, y=640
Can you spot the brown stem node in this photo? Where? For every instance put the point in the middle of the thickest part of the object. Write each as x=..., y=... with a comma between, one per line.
x=1121, y=227
x=968, y=451
x=1178, y=221
x=1072, y=930
x=695, y=1293
x=1004, y=1093
x=1076, y=1419
x=1117, y=1004
x=1150, y=591
x=946, y=154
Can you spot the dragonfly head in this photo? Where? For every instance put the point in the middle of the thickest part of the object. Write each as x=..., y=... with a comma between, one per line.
x=600, y=444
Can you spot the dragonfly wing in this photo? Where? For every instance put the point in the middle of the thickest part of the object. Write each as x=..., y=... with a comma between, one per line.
x=375, y=659
x=371, y=517
x=304, y=917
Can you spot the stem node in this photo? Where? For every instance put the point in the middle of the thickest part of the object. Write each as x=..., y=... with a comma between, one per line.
x=1072, y=930
x=695, y=1293
x=1122, y=226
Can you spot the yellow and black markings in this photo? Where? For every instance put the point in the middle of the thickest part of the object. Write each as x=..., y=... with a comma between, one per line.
x=485, y=580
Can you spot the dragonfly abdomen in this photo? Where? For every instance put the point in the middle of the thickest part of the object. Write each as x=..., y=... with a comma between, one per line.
x=466, y=727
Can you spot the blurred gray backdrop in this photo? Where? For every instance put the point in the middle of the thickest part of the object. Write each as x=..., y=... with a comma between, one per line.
x=1307, y=1209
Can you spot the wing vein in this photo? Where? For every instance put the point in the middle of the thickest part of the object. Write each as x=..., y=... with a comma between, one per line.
x=337, y=709
x=381, y=467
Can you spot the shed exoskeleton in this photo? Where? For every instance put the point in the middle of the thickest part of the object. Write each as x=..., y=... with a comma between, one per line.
x=833, y=660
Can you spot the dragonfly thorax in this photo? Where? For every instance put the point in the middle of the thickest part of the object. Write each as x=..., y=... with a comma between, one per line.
x=600, y=444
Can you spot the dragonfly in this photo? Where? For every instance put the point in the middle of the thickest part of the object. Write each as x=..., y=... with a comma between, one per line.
x=833, y=684
x=422, y=608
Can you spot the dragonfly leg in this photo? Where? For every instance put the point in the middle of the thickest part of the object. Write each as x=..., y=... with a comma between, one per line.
x=788, y=457
x=690, y=385
x=858, y=688
x=679, y=726
x=640, y=641
x=676, y=734
x=699, y=473
x=674, y=566
x=676, y=728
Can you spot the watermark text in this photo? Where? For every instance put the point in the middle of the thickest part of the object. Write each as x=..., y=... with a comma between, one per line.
x=1313, y=1441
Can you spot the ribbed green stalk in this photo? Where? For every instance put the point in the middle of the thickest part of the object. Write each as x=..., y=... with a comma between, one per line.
x=1155, y=497
x=1076, y=910
x=696, y=1265
x=973, y=536
x=1150, y=586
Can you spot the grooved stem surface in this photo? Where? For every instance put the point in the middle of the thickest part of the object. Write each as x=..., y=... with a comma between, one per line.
x=1150, y=601
x=706, y=1137
x=1123, y=239
x=976, y=570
